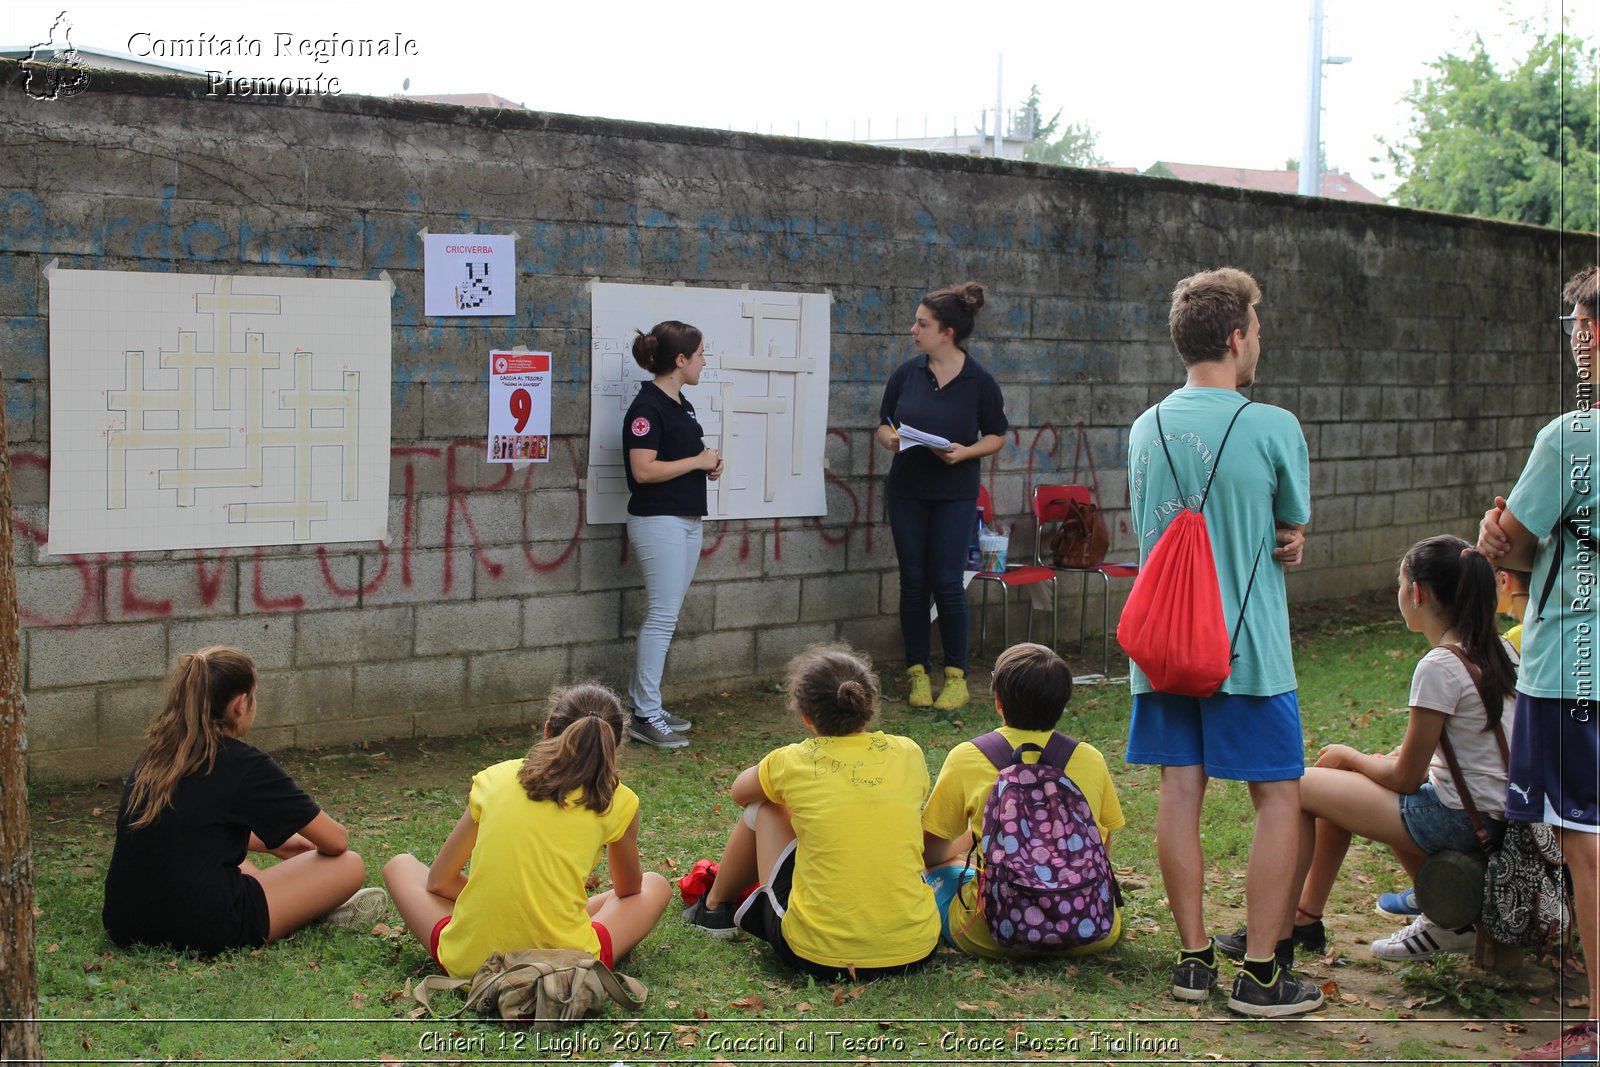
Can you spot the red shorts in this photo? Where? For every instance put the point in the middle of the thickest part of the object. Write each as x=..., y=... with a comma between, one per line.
x=599, y=931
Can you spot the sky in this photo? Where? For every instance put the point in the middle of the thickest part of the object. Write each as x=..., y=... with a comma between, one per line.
x=1221, y=84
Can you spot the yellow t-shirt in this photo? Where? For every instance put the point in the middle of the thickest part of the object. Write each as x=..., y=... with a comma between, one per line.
x=525, y=887
x=858, y=897
x=1514, y=635
x=957, y=804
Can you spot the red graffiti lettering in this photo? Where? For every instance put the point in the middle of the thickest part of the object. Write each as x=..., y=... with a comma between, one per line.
x=292, y=602
x=132, y=602
x=208, y=581
x=458, y=495
x=577, y=527
x=359, y=589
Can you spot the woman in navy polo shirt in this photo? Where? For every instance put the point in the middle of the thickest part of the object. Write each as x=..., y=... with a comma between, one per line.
x=668, y=464
x=933, y=495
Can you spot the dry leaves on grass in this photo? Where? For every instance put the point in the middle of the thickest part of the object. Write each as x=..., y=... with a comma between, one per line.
x=753, y=1002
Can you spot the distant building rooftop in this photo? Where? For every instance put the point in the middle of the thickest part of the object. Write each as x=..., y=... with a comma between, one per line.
x=466, y=100
x=90, y=56
x=1335, y=185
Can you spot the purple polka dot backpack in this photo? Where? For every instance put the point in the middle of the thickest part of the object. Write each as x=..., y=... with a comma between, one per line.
x=1045, y=879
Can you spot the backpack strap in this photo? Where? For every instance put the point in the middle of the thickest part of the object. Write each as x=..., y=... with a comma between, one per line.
x=1585, y=542
x=1485, y=842
x=1058, y=750
x=1476, y=675
x=995, y=746
x=1161, y=435
x=628, y=992
x=1216, y=460
x=436, y=982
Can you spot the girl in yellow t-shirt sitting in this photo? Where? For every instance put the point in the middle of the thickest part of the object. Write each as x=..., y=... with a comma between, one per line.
x=533, y=830
x=834, y=824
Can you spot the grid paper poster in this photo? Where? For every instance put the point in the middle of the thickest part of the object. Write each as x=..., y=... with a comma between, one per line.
x=216, y=411
x=762, y=401
x=469, y=274
x=519, y=407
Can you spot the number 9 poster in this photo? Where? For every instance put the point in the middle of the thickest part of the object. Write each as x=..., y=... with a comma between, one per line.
x=519, y=407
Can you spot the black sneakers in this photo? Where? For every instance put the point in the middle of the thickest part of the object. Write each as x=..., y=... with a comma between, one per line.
x=676, y=723
x=1313, y=937
x=1192, y=979
x=1286, y=994
x=718, y=921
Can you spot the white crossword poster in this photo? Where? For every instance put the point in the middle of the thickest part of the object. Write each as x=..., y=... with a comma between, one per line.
x=519, y=407
x=762, y=400
x=469, y=274
x=216, y=411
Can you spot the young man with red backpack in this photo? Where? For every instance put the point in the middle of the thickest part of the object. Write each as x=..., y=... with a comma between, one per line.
x=1245, y=468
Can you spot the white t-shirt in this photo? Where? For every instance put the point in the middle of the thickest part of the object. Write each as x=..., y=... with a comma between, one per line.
x=1441, y=683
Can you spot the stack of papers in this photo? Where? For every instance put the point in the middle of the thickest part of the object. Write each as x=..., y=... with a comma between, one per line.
x=911, y=437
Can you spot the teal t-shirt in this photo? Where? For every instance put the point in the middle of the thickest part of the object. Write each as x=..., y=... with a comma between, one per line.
x=1265, y=478
x=1558, y=483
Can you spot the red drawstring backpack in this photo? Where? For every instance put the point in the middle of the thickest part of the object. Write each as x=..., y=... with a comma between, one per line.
x=1172, y=625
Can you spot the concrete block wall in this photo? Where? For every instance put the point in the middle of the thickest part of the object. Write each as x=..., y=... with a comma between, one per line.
x=1416, y=349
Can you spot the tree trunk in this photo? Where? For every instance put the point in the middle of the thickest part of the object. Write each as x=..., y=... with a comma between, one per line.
x=19, y=990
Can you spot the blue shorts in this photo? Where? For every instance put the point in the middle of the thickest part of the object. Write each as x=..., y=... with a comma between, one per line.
x=1555, y=763
x=947, y=882
x=1243, y=738
x=1435, y=826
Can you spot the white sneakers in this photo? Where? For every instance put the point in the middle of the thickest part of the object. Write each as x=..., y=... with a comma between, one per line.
x=365, y=907
x=1422, y=940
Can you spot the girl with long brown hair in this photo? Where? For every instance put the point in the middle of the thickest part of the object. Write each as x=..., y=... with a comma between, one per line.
x=196, y=801
x=533, y=830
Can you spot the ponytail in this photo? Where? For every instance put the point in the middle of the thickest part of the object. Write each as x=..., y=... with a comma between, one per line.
x=658, y=350
x=579, y=749
x=1461, y=580
x=187, y=733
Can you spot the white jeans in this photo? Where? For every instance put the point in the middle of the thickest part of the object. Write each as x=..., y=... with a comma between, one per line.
x=668, y=547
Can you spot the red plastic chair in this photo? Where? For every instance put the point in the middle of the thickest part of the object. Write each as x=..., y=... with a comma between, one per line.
x=1050, y=505
x=1015, y=575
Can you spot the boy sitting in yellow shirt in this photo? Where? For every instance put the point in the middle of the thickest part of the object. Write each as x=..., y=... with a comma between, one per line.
x=1031, y=688
x=1513, y=589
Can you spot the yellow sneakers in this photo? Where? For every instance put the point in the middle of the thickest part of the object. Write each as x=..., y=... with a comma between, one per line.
x=921, y=694
x=954, y=693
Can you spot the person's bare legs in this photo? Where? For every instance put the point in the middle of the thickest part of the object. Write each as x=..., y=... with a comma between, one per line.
x=407, y=880
x=747, y=859
x=629, y=919
x=1582, y=852
x=736, y=870
x=304, y=888
x=1183, y=790
x=1342, y=803
x=1269, y=889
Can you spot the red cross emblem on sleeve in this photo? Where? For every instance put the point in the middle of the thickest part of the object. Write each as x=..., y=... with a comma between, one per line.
x=640, y=427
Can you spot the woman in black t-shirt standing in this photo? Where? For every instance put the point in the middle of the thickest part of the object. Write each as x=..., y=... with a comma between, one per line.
x=196, y=802
x=933, y=495
x=668, y=464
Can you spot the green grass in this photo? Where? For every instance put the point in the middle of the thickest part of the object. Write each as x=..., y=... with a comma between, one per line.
x=327, y=994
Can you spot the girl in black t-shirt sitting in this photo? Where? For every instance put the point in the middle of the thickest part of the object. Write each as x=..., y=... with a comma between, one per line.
x=196, y=801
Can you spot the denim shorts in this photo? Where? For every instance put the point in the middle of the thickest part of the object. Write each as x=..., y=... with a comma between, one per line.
x=1435, y=827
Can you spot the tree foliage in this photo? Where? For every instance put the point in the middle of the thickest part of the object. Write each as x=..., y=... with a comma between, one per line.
x=1518, y=145
x=1074, y=146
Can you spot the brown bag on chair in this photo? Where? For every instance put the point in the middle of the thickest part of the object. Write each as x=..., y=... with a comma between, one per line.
x=1083, y=538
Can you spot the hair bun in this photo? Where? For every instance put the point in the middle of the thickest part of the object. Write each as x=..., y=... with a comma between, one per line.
x=973, y=293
